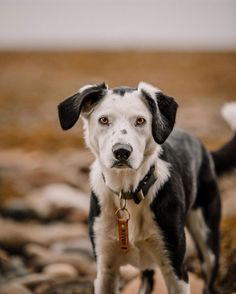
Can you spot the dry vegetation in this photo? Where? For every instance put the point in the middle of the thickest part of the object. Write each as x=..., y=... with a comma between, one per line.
x=36, y=156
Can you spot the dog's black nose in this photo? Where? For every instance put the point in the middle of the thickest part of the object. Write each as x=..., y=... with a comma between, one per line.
x=121, y=151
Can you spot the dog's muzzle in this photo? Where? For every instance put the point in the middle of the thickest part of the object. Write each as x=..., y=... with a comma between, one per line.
x=121, y=153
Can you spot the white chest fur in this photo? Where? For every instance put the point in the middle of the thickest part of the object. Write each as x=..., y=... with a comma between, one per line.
x=145, y=240
x=146, y=246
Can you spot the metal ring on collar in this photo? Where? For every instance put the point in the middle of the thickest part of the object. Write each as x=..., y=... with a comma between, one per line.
x=117, y=213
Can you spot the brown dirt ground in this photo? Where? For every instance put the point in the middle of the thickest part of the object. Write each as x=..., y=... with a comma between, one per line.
x=32, y=84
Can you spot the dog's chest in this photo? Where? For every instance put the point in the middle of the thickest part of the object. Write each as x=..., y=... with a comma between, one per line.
x=145, y=240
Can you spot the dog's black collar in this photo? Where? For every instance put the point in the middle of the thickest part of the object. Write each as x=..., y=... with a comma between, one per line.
x=143, y=187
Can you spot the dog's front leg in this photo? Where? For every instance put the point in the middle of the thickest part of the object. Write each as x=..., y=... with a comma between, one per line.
x=107, y=276
x=173, y=267
x=102, y=232
x=176, y=285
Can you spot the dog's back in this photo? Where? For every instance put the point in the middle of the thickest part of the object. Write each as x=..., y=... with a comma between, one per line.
x=192, y=158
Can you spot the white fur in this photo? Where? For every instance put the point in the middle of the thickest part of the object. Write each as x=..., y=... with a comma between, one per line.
x=148, y=88
x=143, y=289
x=229, y=114
x=87, y=87
x=84, y=88
x=151, y=91
x=175, y=286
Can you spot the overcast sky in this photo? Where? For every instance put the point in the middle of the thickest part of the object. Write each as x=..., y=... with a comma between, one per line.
x=122, y=24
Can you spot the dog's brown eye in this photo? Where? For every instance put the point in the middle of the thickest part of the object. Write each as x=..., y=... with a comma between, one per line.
x=140, y=121
x=104, y=120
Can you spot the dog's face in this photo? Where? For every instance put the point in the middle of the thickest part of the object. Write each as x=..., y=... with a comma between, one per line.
x=119, y=130
x=122, y=125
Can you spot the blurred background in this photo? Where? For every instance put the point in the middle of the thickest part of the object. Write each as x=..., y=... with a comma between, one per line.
x=49, y=49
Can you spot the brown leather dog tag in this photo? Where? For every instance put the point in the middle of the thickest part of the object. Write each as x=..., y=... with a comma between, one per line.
x=123, y=234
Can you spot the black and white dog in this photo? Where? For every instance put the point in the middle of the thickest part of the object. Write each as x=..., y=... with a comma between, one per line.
x=166, y=180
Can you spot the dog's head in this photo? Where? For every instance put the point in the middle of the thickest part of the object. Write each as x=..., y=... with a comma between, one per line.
x=122, y=125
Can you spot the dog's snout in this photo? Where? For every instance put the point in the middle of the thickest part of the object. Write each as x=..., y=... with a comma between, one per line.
x=122, y=151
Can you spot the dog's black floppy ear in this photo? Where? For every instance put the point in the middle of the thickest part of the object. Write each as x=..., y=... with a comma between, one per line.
x=163, y=109
x=70, y=109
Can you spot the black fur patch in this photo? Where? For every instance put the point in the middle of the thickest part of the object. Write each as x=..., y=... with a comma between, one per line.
x=147, y=279
x=95, y=211
x=70, y=109
x=162, y=121
x=123, y=90
x=225, y=157
x=169, y=209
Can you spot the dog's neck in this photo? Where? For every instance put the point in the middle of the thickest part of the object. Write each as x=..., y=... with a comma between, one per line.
x=123, y=181
x=128, y=179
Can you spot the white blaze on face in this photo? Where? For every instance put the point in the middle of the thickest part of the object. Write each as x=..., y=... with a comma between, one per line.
x=122, y=113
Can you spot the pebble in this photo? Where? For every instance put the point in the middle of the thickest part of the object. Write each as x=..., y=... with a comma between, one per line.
x=14, y=288
x=60, y=270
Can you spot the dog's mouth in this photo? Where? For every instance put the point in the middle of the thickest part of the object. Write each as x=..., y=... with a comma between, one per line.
x=121, y=164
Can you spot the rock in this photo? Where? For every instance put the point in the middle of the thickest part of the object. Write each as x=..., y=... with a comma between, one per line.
x=42, y=257
x=33, y=280
x=60, y=270
x=14, y=288
x=17, y=267
x=17, y=234
x=62, y=195
x=30, y=170
x=11, y=268
x=77, y=286
x=81, y=246
x=49, y=203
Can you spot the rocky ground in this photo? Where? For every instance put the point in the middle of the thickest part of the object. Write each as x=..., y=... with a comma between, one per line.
x=44, y=192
